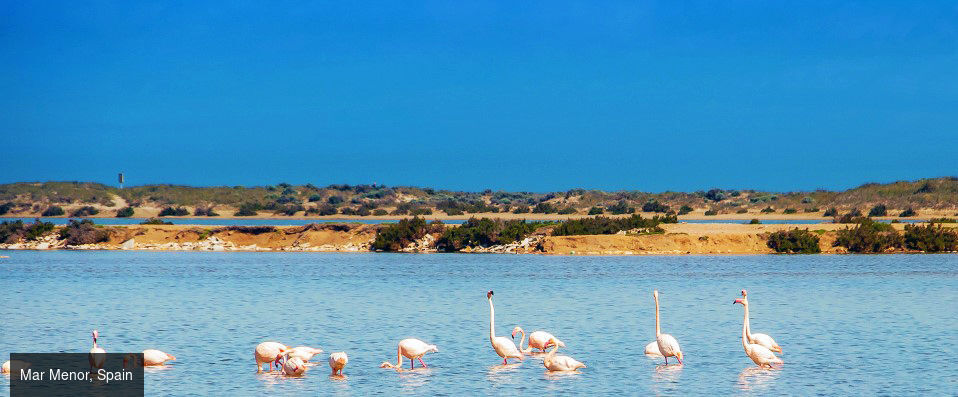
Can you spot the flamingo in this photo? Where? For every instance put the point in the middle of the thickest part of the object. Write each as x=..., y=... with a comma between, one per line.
x=337, y=361
x=151, y=357
x=304, y=353
x=504, y=347
x=668, y=346
x=412, y=349
x=760, y=339
x=537, y=339
x=759, y=354
x=97, y=354
x=560, y=363
x=652, y=348
x=268, y=352
x=293, y=366
x=5, y=369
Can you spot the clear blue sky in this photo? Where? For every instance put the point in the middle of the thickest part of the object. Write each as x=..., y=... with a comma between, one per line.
x=512, y=95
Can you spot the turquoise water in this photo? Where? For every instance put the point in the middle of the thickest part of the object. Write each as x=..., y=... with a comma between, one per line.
x=848, y=324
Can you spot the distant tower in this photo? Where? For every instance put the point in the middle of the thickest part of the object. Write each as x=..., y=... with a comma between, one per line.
x=120, y=177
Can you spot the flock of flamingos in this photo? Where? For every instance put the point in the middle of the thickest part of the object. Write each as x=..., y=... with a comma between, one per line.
x=760, y=348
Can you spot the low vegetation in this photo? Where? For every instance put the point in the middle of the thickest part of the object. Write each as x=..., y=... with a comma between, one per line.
x=795, y=241
x=124, y=212
x=869, y=237
x=605, y=225
x=14, y=232
x=53, y=210
x=155, y=221
x=177, y=211
x=395, y=237
x=907, y=213
x=930, y=238
x=878, y=210
x=83, y=211
x=485, y=232
x=83, y=232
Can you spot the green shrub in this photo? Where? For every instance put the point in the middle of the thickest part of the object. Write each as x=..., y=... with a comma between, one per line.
x=895, y=221
x=790, y=211
x=13, y=232
x=204, y=211
x=942, y=220
x=85, y=210
x=742, y=211
x=335, y=200
x=521, y=209
x=654, y=206
x=248, y=209
x=255, y=230
x=124, y=212
x=53, y=210
x=5, y=208
x=595, y=211
x=380, y=212
x=768, y=210
x=314, y=198
x=567, y=211
x=170, y=211
x=327, y=209
x=808, y=200
x=685, y=209
x=878, y=210
x=754, y=221
x=869, y=237
x=715, y=195
x=621, y=207
x=907, y=213
x=394, y=237
x=484, y=232
x=604, y=225
x=811, y=209
x=155, y=221
x=711, y=212
x=453, y=211
x=930, y=238
x=544, y=208
x=291, y=209
x=83, y=232
x=831, y=212
x=420, y=211
x=795, y=241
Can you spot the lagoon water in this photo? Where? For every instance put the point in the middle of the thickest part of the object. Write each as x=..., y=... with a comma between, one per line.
x=849, y=324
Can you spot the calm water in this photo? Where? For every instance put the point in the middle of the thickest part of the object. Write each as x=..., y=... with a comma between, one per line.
x=848, y=324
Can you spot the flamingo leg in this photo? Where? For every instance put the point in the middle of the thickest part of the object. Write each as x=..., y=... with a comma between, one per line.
x=505, y=362
x=423, y=364
x=412, y=363
x=666, y=359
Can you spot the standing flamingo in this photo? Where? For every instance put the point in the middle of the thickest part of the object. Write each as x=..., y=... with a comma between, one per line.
x=337, y=361
x=668, y=346
x=760, y=339
x=268, y=352
x=504, y=347
x=759, y=354
x=537, y=339
x=652, y=348
x=97, y=354
x=412, y=349
x=560, y=363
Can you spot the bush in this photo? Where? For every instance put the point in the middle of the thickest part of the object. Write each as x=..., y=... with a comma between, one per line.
x=484, y=232
x=248, y=209
x=291, y=209
x=420, y=211
x=604, y=225
x=811, y=209
x=567, y=211
x=942, y=220
x=170, y=211
x=544, y=208
x=715, y=195
x=742, y=211
x=327, y=209
x=907, y=213
x=255, y=230
x=869, y=237
x=595, y=211
x=453, y=211
x=395, y=237
x=795, y=241
x=53, y=210
x=621, y=207
x=13, y=232
x=5, y=208
x=335, y=200
x=768, y=210
x=83, y=232
x=790, y=211
x=155, y=221
x=878, y=210
x=831, y=212
x=84, y=211
x=711, y=212
x=314, y=198
x=208, y=211
x=685, y=209
x=521, y=209
x=754, y=221
x=380, y=212
x=930, y=238
x=655, y=206
x=125, y=212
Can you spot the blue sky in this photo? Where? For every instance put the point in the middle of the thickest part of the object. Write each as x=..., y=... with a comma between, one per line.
x=536, y=96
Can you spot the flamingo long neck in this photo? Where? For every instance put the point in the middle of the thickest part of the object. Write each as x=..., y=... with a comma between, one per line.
x=398, y=357
x=657, y=331
x=555, y=348
x=521, y=331
x=748, y=324
x=94, y=343
x=492, y=321
x=745, y=328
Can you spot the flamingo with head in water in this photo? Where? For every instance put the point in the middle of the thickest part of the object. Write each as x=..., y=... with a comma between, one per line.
x=552, y=362
x=412, y=349
x=268, y=352
x=668, y=345
x=504, y=347
x=537, y=339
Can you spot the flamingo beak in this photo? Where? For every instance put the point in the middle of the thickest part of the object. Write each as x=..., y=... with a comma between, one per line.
x=737, y=301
